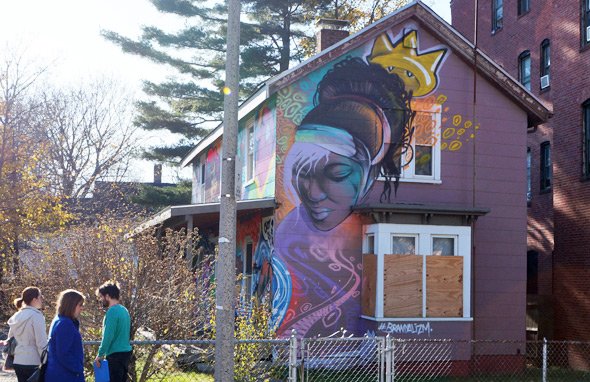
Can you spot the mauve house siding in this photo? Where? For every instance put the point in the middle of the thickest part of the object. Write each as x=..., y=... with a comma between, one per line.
x=499, y=278
x=500, y=236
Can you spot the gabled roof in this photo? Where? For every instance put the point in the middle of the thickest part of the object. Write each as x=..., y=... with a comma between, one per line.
x=537, y=113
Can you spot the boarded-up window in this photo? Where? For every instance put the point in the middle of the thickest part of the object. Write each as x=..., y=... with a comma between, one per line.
x=426, y=274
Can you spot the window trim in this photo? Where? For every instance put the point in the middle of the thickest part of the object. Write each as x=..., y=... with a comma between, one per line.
x=585, y=23
x=497, y=22
x=545, y=62
x=250, y=160
x=247, y=278
x=408, y=172
x=545, y=156
x=586, y=139
x=424, y=234
x=522, y=58
x=202, y=164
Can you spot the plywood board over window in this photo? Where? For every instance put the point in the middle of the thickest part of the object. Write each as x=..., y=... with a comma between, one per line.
x=444, y=286
x=402, y=286
x=369, y=287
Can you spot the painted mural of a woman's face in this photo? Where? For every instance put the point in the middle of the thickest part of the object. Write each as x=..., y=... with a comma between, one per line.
x=328, y=188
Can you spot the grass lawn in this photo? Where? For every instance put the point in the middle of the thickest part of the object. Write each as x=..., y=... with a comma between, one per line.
x=530, y=375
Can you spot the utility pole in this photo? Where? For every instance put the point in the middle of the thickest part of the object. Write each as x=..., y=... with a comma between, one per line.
x=225, y=272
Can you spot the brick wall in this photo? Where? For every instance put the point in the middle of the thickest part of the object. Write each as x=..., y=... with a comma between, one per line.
x=564, y=212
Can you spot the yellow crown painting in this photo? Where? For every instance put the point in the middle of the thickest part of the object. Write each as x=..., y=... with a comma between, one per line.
x=417, y=69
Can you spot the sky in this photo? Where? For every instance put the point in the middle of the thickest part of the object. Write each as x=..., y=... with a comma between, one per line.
x=66, y=35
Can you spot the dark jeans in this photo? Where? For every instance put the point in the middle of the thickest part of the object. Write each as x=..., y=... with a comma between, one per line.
x=118, y=366
x=23, y=372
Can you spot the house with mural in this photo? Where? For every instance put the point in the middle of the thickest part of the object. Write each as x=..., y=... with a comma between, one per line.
x=381, y=187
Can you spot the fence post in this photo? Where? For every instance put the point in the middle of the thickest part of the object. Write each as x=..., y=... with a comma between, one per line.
x=544, y=359
x=293, y=357
x=389, y=361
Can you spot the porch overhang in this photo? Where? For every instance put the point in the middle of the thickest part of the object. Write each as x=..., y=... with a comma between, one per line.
x=173, y=215
x=420, y=213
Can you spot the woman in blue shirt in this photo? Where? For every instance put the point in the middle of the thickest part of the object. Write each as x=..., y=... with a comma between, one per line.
x=65, y=355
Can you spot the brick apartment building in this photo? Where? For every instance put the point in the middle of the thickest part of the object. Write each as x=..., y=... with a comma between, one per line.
x=545, y=44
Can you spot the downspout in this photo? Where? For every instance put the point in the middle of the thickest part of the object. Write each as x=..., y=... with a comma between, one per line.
x=473, y=197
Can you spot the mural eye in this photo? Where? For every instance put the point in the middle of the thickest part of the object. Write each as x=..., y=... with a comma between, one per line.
x=338, y=172
x=390, y=69
x=409, y=74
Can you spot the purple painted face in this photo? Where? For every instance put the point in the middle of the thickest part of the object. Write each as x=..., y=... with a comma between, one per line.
x=328, y=188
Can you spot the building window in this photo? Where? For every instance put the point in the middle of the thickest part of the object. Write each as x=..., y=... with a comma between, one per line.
x=202, y=183
x=524, y=69
x=529, y=188
x=247, y=267
x=497, y=15
x=422, y=160
x=585, y=22
x=250, y=152
x=524, y=6
x=545, y=166
x=586, y=146
x=417, y=271
x=545, y=63
x=370, y=242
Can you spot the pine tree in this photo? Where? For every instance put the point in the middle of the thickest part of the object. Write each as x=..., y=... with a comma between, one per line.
x=274, y=35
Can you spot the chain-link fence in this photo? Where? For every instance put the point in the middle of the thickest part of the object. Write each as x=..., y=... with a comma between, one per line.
x=340, y=358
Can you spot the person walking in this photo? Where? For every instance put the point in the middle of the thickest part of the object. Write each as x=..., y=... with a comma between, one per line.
x=27, y=326
x=65, y=355
x=116, y=330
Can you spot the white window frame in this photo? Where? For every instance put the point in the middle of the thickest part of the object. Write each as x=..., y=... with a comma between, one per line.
x=408, y=172
x=246, y=292
x=250, y=149
x=383, y=232
x=366, y=246
x=200, y=180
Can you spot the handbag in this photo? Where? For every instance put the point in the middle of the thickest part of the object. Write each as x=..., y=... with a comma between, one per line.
x=39, y=374
x=11, y=346
x=9, y=350
x=8, y=363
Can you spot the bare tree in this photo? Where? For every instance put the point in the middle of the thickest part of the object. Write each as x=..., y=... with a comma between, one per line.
x=90, y=136
x=26, y=205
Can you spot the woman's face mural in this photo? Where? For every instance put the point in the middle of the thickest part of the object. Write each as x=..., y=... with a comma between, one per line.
x=357, y=124
x=327, y=189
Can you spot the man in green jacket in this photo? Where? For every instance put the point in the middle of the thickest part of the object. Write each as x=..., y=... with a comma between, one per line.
x=116, y=328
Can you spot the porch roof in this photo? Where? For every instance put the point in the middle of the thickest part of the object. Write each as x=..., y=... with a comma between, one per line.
x=381, y=212
x=169, y=213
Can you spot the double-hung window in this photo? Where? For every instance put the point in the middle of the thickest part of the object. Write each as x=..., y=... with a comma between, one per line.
x=585, y=23
x=416, y=271
x=586, y=143
x=524, y=69
x=546, y=172
x=250, y=147
x=422, y=159
x=497, y=15
x=545, y=63
x=524, y=6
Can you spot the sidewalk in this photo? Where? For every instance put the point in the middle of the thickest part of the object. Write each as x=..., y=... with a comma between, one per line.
x=6, y=376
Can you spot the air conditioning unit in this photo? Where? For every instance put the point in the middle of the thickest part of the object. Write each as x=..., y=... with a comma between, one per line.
x=545, y=81
x=588, y=34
